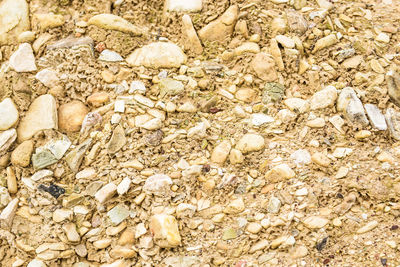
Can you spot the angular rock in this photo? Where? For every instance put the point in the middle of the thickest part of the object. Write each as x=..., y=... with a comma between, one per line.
x=8, y=114
x=98, y=99
x=283, y=242
x=71, y=232
x=315, y=222
x=74, y=157
x=263, y=65
x=296, y=21
x=393, y=84
x=355, y=111
x=279, y=173
x=14, y=19
x=43, y=158
x=48, y=77
x=274, y=205
x=220, y=29
x=7, y=138
x=71, y=42
x=158, y=184
x=324, y=98
x=297, y=104
x=106, y=193
x=113, y=22
x=192, y=40
x=110, y=56
x=234, y=207
x=23, y=60
x=250, y=143
x=157, y=55
x=325, y=42
x=184, y=5
x=124, y=186
x=285, y=41
x=344, y=98
x=393, y=122
x=376, y=117
x=165, y=230
x=71, y=116
x=8, y=213
x=36, y=263
x=118, y=214
x=258, y=119
x=117, y=141
x=170, y=87
x=273, y=92
x=41, y=115
x=48, y=21
x=246, y=47
x=368, y=227
x=221, y=152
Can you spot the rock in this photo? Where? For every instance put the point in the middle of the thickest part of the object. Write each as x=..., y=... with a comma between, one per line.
x=393, y=122
x=315, y=222
x=48, y=77
x=246, y=95
x=113, y=22
x=158, y=184
x=43, y=158
x=259, y=119
x=157, y=55
x=345, y=96
x=71, y=42
x=118, y=214
x=383, y=38
x=320, y=159
x=199, y=131
x=276, y=54
x=236, y=157
x=355, y=111
x=137, y=87
x=263, y=65
x=324, y=98
x=279, y=173
x=106, y=193
x=74, y=157
x=353, y=62
x=170, y=87
x=376, y=117
x=21, y=156
x=250, y=143
x=296, y=21
x=153, y=124
x=7, y=138
x=117, y=141
x=41, y=115
x=23, y=59
x=283, y=242
x=165, y=230
x=36, y=263
x=192, y=41
x=4, y=197
x=8, y=114
x=26, y=37
x=71, y=233
x=297, y=104
x=393, y=84
x=316, y=123
x=110, y=56
x=229, y=234
x=234, y=207
x=220, y=29
x=98, y=99
x=71, y=115
x=325, y=42
x=247, y=47
x=221, y=152
x=124, y=186
x=273, y=92
x=298, y=252
x=260, y=245
x=8, y=213
x=285, y=41
x=184, y=5
x=48, y=21
x=274, y=205
x=14, y=19
x=368, y=227
x=60, y=215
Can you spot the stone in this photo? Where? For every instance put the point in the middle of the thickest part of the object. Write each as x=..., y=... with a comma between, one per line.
x=26, y=37
x=41, y=115
x=246, y=95
x=316, y=123
x=117, y=141
x=279, y=173
x=353, y=62
x=41, y=174
x=296, y=21
x=8, y=114
x=368, y=227
x=124, y=186
x=376, y=117
x=23, y=59
x=98, y=99
x=285, y=41
x=320, y=159
x=153, y=124
x=273, y=92
x=48, y=77
x=355, y=111
x=250, y=143
x=157, y=55
x=222, y=28
x=165, y=230
x=8, y=213
x=4, y=197
x=43, y=158
x=14, y=19
x=106, y=193
x=74, y=157
x=259, y=119
x=297, y=104
x=236, y=157
x=184, y=5
x=393, y=122
x=113, y=22
x=70, y=42
x=274, y=205
x=36, y=263
x=325, y=42
x=158, y=184
x=276, y=54
x=383, y=38
x=170, y=87
x=110, y=56
x=137, y=87
x=71, y=116
x=393, y=85
x=198, y=132
x=48, y=21
x=283, y=242
x=324, y=98
x=7, y=138
x=118, y=214
x=60, y=215
x=263, y=65
x=247, y=47
x=344, y=98
x=315, y=222
x=71, y=233
x=298, y=252
x=229, y=234
x=234, y=207
x=192, y=41
x=221, y=152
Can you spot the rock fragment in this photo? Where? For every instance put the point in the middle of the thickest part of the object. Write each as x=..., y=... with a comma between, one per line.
x=184, y=5
x=8, y=114
x=113, y=22
x=165, y=230
x=393, y=84
x=7, y=138
x=250, y=143
x=192, y=40
x=324, y=98
x=221, y=152
x=117, y=141
x=74, y=157
x=315, y=222
x=71, y=232
x=325, y=42
x=48, y=77
x=71, y=116
x=264, y=66
x=376, y=117
x=158, y=184
x=23, y=59
x=8, y=213
x=106, y=193
x=46, y=21
x=14, y=19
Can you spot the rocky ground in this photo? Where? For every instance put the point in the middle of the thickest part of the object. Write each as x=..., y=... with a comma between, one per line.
x=199, y=133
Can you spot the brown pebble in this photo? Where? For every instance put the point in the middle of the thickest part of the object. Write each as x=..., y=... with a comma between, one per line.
x=11, y=181
x=21, y=156
x=98, y=99
x=127, y=237
x=71, y=115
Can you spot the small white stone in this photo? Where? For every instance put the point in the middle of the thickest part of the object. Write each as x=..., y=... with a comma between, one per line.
x=301, y=157
x=158, y=184
x=184, y=5
x=143, y=100
x=285, y=41
x=315, y=222
x=250, y=142
x=36, y=263
x=301, y=192
x=88, y=173
x=23, y=60
x=110, y=56
x=297, y=104
x=153, y=124
x=124, y=186
x=106, y=192
x=383, y=38
x=324, y=98
x=41, y=174
x=119, y=106
x=8, y=114
x=259, y=119
x=137, y=86
x=115, y=118
x=60, y=215
x=140, y=230
x=8, y=213
x=48, y=77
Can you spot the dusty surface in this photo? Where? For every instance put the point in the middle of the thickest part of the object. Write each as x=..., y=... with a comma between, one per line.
x=346, y=176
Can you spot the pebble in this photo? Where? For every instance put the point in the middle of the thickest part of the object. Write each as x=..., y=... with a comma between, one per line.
x=184, y=5
x=279, y=173
x=124, y=186
x=325, y=42
x=8, y=213
x=263, y=65
x=71, y=232
x=193, y=42
x=48, y=77
x=110, y=56
x=355, y=112
x=376, y=117
x=285, y=41
x=236, y=156
x=250, y=143
x=297, y=104
x=368, y=227
x=393, y=85
x=60, y=215
x=23, y=59
x=17, y=14
x=118, y=214
x=8, y=114
x=70, y=42
x=71, y=116
x=393, y=122
x=170, y=87
x=74, y=157
x=46, y=21
x=11, y=181
x=324, y=98
x=158, y=184
x=106, y=193
x=235, y=206
x=259, y=119
x=246, y=47
x=7, y=138
x=26, y=37
x=41, y=115
x=221, y=152
x=274, y=205
x=260, y=245
x=117, y=140
x=157, y=55
x=299, y=252
x=165, y=230
x=320, y=159
x=36, y=263
x=113, y=22
x=316, y=123
x=315, y=222
x=283, y=242
x=137, y=87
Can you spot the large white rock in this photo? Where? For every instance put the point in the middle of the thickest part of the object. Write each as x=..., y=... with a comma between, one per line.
x=23, y=60
x=41, y=115
x=157, y=55
x=14, y=19
x=8, y=114
x=184, y=5
x=324, y=98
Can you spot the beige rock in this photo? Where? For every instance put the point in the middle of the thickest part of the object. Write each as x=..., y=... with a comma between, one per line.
x=7, y=138
x=106, y=192
x=122, y=252
x=26, y=37
x=48, y=21
x=283, y=242
x=246, y=95
x=325, y=42
x=14, y=19
x=165, y=230
x=192, y=40
x=108, y=76
x=71, y=115
x=324, y=98
x=298, y=252
x=8, y=213
x=71, y=233
x=11, y=181
x=127, y=237
x=316, y=123
x=184, y=5
x=247, y=47
x=102, y=243
x=264, y=66
x=41, y=115
x=368, y=227
x=236, y=157
x=285, y=41
x=23, y=59
x=254, y=227
x=235, y=206
x=353, y=62
x=250, y=143
x=117, y=263
x=157, y=55
x=315, y=222
x=60, y=215
x=221, y=28
x=276, y=54
x=98, y=99
x=113, y=22
x=320, y=159
x=221, y=152
x=280, y=173
x=8, y=114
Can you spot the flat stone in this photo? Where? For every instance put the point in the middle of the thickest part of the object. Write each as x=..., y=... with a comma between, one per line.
x=8, y=114
x=124, y=186
x=393, y=122
x=110, y=56
x=234, y=207
x=157, y=55
x=14, y=19
x=36, y=263
x=285, y=41
x=158, y=184
x=246, y=47
x=71, y=116
x=259, y=119
x=23, y=60
x=98, y=99
x=71, y=42
x=263, y=65
x=279, y=173
x=46, y=21
x=297, y=104
x=60, y=215
x=117, y=141
x=137, y=86
x=41, y=115
x=250, y=143
x=118, y=214
x=74, y=157
x=283, y=242
x=368, y=227
x=48, y=77
x=393, y=84
x=113, y=22
x=106, y=193
x=192, y=40
x=184, y=5
x=320, y=159
x=355, y=112
x=43, y=158
x=170, y=87
x=229, y=233
x=221, y=152
x=376, y=117
x=315, y=222
x=71, y=233
x=7, y=138
x=165, y=230
x=8, y=213
x=324, y=98
x=274, y=205
x=26, y=37
x=221, y=28
x=325, y=42
x=21, y=156
x=41, y=174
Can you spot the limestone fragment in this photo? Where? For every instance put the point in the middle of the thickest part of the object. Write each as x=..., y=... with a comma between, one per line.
x=250, y=143
x=48, y=77
x=74, y=157
x=158, y=184
x=23, y=59
x=376, y=117
x=71, y=116
x=106, y=193
x=7, y=138
x=14, y=19
x=325, y=42
x=368, y=227
x=324, y=98
x=221, y=152
x=8, y=213
x=280, y=173
x=264, y=66
x=8, y=114
x=315, y=222
x=184, y=5
x=193, y=43
x=234, y=207
x=113, y=22
x=393, y=84
x=48, y=20
x=117, y=140
x=165, y=230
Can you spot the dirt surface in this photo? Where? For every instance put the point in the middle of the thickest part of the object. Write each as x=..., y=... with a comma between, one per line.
x=315, y=184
